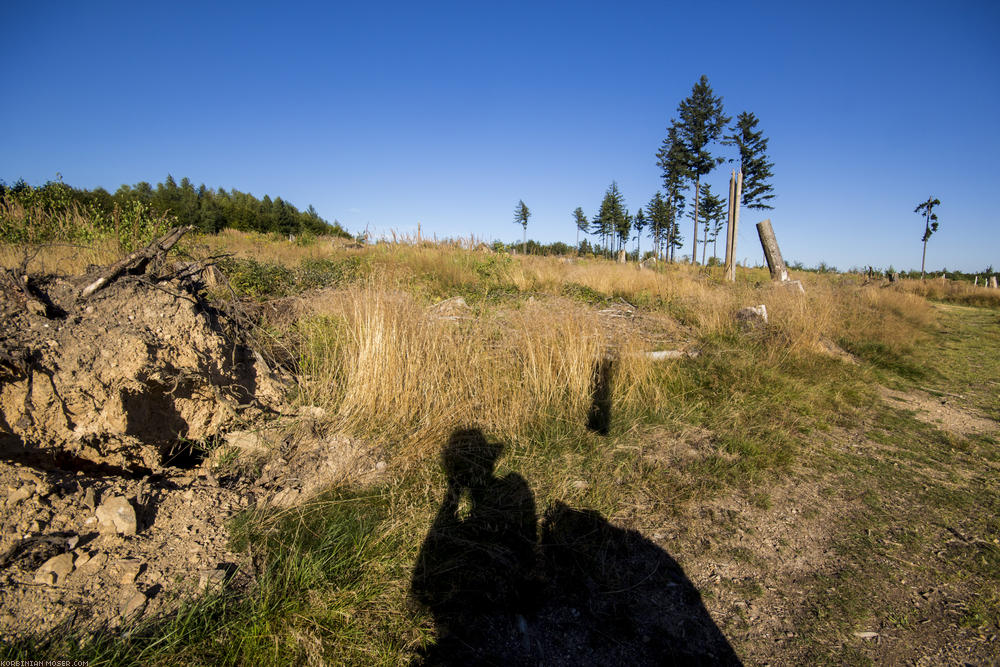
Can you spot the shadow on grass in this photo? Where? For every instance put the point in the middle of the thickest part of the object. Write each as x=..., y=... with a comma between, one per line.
x=586, y=592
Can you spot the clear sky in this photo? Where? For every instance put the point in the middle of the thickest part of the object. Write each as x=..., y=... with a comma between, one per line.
x=389, y=114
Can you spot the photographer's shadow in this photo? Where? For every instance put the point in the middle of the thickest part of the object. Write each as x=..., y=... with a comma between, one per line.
x=587, y=592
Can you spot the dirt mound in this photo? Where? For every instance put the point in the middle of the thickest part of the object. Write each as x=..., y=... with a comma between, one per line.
x=124, y=378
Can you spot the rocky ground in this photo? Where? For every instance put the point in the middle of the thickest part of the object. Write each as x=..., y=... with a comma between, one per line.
x=110, y=510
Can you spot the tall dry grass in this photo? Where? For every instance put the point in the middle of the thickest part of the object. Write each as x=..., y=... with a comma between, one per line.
x=953, y=291
x=388, y=368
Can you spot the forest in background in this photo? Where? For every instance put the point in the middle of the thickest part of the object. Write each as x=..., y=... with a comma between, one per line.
x=207, y=210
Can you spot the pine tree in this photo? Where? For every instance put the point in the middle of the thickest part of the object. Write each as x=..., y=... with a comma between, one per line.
x=712, y=209
x=673, y=160
x=521, y=215
x=639, y=223
x=701, y=124
x=582, y=225
x=659, y=221
x=624, y=229
x=930, y=225
x=612, y=213
x=754, y=162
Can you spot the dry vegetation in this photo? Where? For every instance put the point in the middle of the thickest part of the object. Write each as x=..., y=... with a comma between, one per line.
x=763, y=421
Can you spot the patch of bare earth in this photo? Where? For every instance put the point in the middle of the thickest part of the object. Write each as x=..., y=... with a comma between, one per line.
x=770, y=565
x=110, y=512
x=944, y=411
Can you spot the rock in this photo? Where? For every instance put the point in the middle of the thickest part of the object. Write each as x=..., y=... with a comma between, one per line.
x=580, y=485
x=752, y=317
x=133, y=606
x=94, y=562
x=866, y=635
x=55, y=570
x=212, y=580
x=130, y=567
x=71, y=542
x=249, y=442
x=23, y=492
x=89, y=500
x=116, y=515
x=380, y=466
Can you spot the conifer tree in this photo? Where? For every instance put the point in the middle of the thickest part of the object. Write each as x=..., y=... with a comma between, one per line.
x=754, y=162
x=521, y=215
x=612, y=213
x=639, y=223
x=930, y=225
x=673, y=160
x=581, y=224
x=701, y=124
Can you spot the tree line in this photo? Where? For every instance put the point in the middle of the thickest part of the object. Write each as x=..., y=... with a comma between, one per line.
x=207, y=210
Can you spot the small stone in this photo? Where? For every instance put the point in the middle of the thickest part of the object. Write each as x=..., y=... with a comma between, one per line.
x=752, y=317
x=73, y=541
x=248, y=442
x=21, y=493
x=380, y=466
x=866, y=635
x=580, y=485
x=82, y=559
x=212, y=580
x=34, y=527
x=133, y=607
x=96, y=561
x=130, y=567
x=116, y=515
x=89, y=500
x=55, y=570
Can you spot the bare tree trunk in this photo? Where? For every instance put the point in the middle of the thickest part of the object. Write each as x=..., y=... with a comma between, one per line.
x=924, y=258
x=736, y=193
x=772, y=254
x=697, y=188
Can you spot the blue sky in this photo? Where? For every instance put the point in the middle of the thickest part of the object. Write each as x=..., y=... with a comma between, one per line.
x=446, y=114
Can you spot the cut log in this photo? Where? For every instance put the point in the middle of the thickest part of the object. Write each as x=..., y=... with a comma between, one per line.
x=771, y=251
x=136, y=261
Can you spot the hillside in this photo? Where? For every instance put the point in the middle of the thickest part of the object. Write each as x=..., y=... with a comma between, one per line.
x=375, y=454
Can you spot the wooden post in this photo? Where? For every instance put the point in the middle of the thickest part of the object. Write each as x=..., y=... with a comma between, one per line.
x=731, y=266
x=771, y=252
x=729, y=222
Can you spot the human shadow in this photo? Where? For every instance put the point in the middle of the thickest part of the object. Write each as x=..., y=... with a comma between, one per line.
x=586, y=592
x=599, y=414
x=477, y=556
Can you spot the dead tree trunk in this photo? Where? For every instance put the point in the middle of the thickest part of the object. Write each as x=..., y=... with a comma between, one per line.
x=137, y=260
x=735, y=194
x=771, y=252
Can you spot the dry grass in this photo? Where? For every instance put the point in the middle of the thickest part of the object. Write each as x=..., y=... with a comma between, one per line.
x=953, y=292
x=388, y=368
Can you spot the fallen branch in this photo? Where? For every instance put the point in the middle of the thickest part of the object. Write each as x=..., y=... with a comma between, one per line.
x=137, y=261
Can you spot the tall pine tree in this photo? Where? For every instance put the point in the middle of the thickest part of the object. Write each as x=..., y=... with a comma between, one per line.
x=673, y=160
x=754, y=162
x=701, y=124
